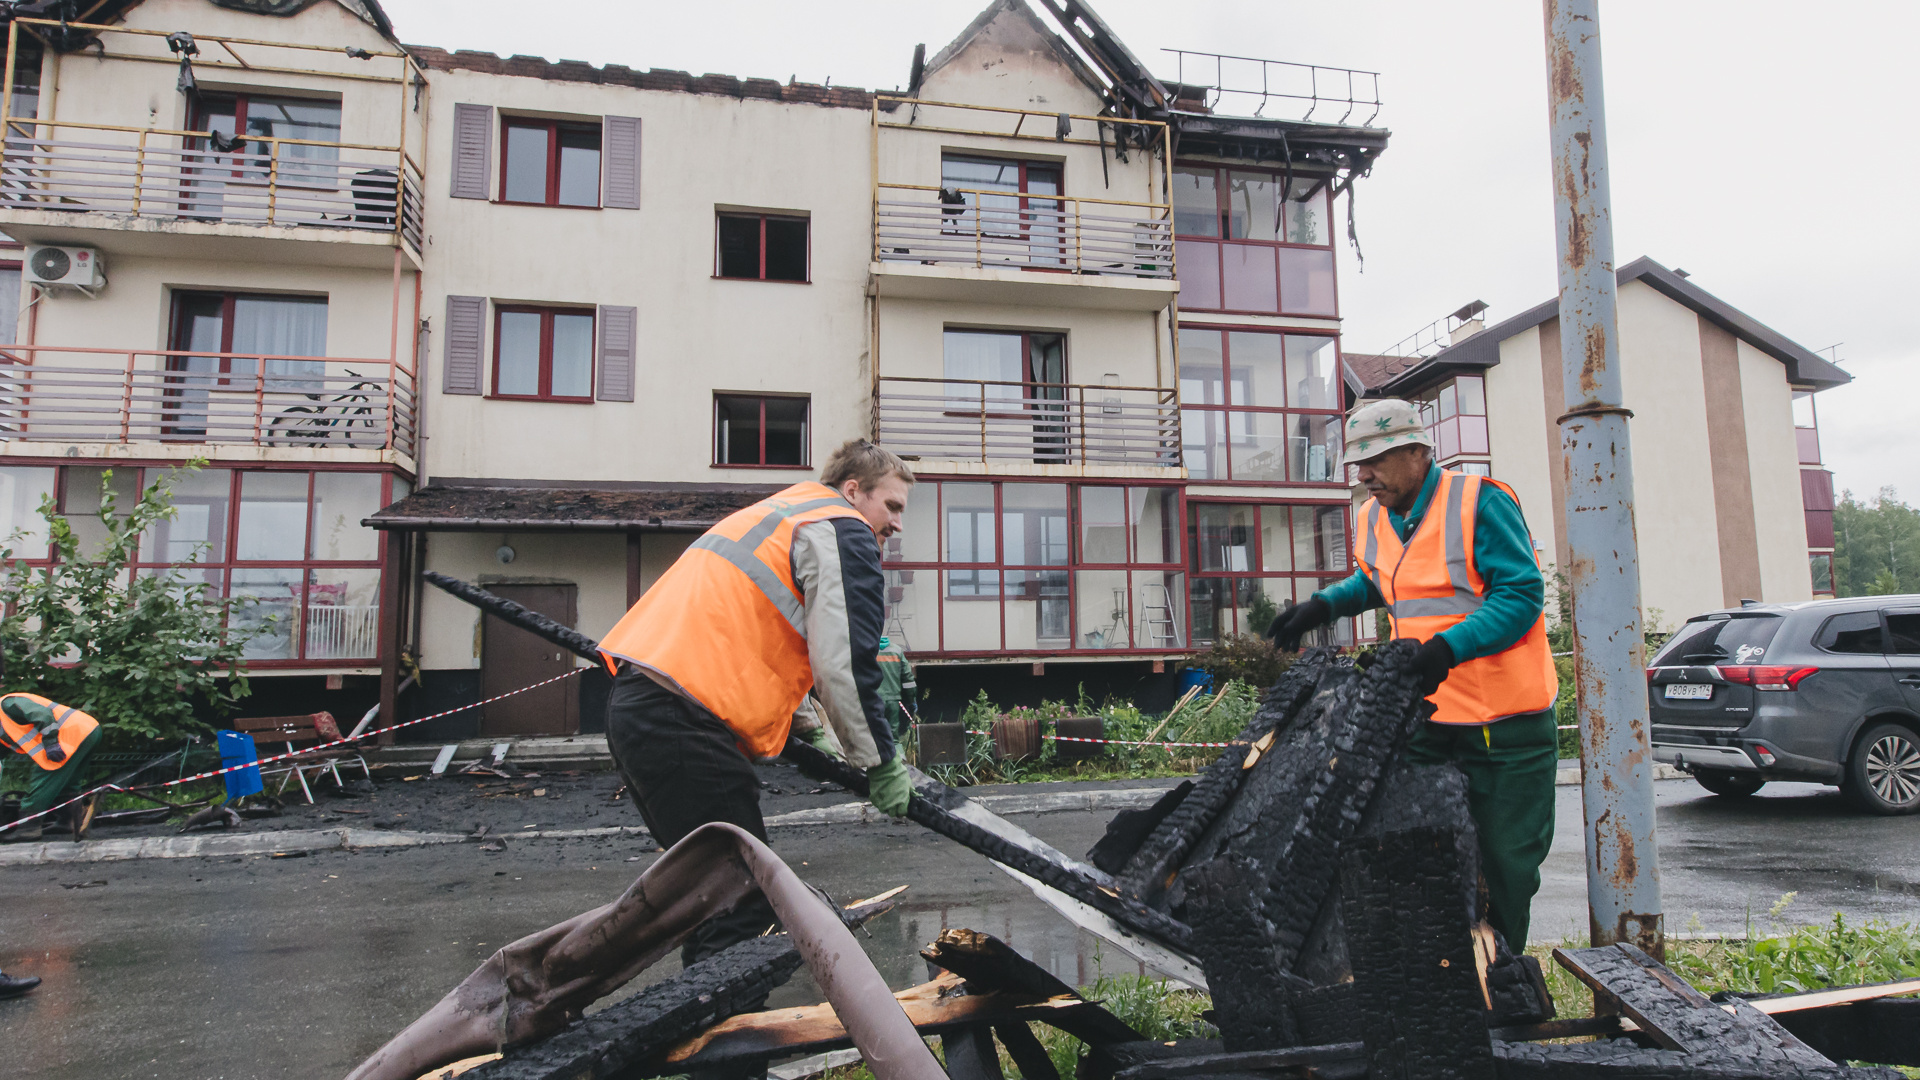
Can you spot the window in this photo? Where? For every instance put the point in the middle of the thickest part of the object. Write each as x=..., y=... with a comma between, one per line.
x=1011, y=567
x=1455, y=414
x=1806, y=427
x=312, y=120
x=761, y=247
x=1742, y=639
x=1259, y=406
x=292, y=539
x=543, y=354
x=549, y=163
x=10, y=296
x=761, y=431
x=1858, y=632
x=1016, y=204
x=1821, y=565
x=1249, y=560
x=214, y=388
x=1241, y=247
x=1903, y=632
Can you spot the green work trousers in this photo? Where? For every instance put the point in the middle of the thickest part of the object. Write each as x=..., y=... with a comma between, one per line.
x=1510, y=767
x=51, y=787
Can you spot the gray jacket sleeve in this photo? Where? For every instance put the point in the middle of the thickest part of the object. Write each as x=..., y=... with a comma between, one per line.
x=836, y=563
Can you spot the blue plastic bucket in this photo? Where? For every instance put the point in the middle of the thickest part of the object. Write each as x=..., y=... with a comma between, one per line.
x=236, y=747
x=1192, y=677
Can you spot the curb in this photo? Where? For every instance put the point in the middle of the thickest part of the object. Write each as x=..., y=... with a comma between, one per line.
x=215, y=846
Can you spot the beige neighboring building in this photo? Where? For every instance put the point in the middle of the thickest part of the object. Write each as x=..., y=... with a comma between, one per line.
x=1731, y=500
x=539, y=324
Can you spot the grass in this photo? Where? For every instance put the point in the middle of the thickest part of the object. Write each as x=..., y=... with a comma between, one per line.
x=1216, y=717
x=1780, y=959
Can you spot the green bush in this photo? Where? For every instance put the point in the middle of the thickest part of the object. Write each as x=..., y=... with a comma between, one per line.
x=1247, y=657
x=145, y=652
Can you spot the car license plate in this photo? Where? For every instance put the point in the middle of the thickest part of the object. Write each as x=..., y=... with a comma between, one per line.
x=1689, y=691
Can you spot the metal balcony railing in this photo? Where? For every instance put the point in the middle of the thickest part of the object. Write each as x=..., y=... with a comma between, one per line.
x=993, y=229
x=1274, y=89
x=57, y=394
x=183, y=176
x=1059, y=424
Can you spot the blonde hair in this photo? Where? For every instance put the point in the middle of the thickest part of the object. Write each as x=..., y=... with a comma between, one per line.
x=862, y=461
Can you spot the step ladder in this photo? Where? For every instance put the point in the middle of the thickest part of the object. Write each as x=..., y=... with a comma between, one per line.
x=1159, y=626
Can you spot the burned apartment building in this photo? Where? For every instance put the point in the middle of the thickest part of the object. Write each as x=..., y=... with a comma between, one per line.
x=539, y=324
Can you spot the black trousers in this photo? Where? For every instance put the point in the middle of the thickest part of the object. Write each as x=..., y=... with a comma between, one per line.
x=682, y=771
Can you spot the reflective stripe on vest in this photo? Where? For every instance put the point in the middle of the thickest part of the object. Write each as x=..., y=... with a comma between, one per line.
x=50, y=748
x=741, y=554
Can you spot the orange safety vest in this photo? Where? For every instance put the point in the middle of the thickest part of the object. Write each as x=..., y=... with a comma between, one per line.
x=726, y=625
x=1430, y=583
x=48, y=749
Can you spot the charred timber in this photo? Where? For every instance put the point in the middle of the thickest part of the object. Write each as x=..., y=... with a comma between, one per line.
x=526, y=619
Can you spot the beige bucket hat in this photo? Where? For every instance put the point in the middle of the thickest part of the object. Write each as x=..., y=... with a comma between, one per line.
x=1379, y=426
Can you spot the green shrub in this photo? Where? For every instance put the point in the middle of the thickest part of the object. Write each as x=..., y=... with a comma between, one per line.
x=143, y=653
x=1247, y=657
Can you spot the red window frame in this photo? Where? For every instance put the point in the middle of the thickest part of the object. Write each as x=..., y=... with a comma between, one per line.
x=1336, y=477
x=545, y=381
x=144, y=473
x=762, y=219
x=1139, y=573
x=1215, y=246
x=1053, y=204
x=553, y=129
x=1256, y=557
x=806, y=438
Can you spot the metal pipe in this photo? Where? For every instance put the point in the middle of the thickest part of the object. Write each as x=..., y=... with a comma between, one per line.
x=1623, y=863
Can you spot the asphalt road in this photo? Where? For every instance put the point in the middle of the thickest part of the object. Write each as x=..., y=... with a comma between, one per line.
x=260, y=967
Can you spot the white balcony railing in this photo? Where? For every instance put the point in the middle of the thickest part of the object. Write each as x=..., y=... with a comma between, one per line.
x=987, y=421
x=181, y=176
x=342, y=631
x=54, y=394
x=1019, y=231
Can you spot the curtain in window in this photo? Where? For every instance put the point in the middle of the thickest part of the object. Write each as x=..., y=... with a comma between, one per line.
x=284, y=326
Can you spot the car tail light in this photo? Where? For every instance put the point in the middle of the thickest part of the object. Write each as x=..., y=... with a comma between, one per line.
x=1767, y=677
x=1766, y=755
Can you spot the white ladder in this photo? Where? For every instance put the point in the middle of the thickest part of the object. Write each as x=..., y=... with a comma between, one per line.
x=1159, y=626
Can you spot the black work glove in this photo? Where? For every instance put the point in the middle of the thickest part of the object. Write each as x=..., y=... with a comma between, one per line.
x=1292, y=624
x=1432, y=663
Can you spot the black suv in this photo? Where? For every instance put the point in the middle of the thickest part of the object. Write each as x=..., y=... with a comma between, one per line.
x=1826, y=691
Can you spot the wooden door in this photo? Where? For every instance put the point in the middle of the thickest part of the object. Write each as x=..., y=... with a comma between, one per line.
x=511, y=658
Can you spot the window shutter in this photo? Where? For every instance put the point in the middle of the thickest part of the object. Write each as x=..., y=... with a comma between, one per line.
x=472, y=151
x=620, y=162
x=466, y=336
x=618, y=326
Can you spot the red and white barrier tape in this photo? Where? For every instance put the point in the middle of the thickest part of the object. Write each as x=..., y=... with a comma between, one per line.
x=1124, y=742
x=363, y=736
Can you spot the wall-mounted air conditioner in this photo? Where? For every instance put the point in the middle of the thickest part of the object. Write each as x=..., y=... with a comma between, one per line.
x=69, y=267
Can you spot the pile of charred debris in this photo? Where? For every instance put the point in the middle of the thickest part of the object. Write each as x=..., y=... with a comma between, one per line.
x=1323, y=890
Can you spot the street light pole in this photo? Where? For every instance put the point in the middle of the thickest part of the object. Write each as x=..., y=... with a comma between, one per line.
x=1623, y=863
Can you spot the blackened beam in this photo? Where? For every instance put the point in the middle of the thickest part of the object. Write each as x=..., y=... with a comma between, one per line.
x=933, y=805
x=628, y=1032
x=1324, y=1061
x=1132, y=81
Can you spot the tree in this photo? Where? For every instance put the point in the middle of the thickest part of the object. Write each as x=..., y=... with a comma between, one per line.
x=147, y=652
x=1876, y=545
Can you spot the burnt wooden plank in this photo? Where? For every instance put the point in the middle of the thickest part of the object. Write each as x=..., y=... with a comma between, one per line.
x=989, y=964
x=970, y=1053
x=1885, y=1032
x=1410, y=943
x=1325, y=1061
x=1678, y=1017
x=1620, y=1059
x=1025, y=1050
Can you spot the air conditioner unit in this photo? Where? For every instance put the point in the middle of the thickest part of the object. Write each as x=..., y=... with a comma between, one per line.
x=74, y=267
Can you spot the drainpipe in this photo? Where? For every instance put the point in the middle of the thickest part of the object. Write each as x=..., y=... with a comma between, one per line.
x=1623, y=863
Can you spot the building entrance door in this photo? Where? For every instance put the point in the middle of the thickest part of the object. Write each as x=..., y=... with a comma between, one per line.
x=511, y=658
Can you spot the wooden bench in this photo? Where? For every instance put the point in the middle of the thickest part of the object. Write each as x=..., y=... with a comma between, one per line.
x=289, y=734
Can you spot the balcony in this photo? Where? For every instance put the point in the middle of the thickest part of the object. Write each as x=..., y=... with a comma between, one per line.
x=151, y=181
x=1007, y=427
x=173, y=404
x=933, y=243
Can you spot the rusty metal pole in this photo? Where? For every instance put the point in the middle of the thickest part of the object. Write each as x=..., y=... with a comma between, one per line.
x=1623, y=864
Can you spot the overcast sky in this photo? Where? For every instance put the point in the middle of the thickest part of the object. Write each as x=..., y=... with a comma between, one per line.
x=1768, y=148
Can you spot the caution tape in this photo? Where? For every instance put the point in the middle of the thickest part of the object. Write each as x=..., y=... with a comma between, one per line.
x=362, y=737
x=1122, y=742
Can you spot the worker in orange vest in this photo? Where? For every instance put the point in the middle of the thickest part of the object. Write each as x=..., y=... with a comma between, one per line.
x=713, y=666
x=58, y=740
x=1449, y=556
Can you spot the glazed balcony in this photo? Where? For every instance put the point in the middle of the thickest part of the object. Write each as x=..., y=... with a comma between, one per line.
x=177, y=404
x=989, y=426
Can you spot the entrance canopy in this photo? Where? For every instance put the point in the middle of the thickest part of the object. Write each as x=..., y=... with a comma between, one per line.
x=455, y=505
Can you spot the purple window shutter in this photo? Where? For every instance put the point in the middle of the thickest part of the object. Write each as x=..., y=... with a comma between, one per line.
x=620, y=162
x=472, y=151
x=466, y=338
x=618, y=329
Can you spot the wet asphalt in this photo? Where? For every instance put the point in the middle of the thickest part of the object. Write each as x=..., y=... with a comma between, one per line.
x=300, y=967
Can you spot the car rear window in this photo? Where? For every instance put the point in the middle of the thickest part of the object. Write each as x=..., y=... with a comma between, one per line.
x=1742, y=639
x=1854, y=632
